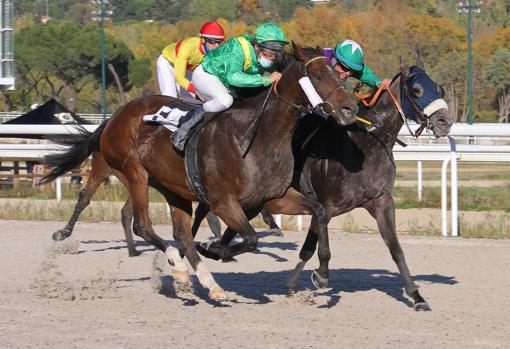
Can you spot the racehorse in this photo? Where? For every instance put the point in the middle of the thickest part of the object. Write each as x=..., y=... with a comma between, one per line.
x=238, y=183
x=347, y=167
x=99, y=173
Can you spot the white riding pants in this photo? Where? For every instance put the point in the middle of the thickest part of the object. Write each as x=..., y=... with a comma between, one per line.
x=212, y=89
x=166, y=79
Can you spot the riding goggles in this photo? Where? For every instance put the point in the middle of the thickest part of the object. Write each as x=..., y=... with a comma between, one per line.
x=213, y=41
x=336, y=62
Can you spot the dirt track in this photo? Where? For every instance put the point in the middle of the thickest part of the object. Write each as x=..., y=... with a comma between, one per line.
x=86, y=293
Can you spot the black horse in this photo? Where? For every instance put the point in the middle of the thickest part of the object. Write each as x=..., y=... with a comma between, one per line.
x=348, y=167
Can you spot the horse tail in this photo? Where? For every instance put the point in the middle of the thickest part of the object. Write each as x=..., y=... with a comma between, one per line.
x=79, y=147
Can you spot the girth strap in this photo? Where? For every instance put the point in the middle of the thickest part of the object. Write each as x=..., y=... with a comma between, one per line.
x=191, y=160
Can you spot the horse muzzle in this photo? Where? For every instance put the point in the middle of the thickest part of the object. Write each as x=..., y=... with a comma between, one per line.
x=440, y=122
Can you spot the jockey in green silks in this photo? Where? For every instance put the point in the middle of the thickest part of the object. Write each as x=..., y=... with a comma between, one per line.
x=241, y=62
x=348, y=61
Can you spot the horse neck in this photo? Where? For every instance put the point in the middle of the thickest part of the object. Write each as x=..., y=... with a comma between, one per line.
x=385, y=111
x=279, y=115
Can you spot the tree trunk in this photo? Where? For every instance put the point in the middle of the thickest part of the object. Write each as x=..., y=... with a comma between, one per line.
x=122, y=98
x=453, y=102
x=504, y=106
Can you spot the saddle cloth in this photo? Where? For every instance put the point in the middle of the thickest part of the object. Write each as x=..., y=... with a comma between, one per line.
x=166, y=116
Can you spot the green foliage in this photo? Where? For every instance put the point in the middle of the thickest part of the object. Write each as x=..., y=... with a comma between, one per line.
x=131, y=9
x=207, y=10
x=386, y=30
x=486, y=116
x=497, y=70
x=140, y=71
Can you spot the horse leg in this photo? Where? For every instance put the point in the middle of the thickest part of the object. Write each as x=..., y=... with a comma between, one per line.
x=236, y=220
x=383, y=210
x=294, y=203
x=269, y=220
x=181, y=222
x=126, y=220
x=202, y=212
x=137, y=179
x=99, y=172
x=126, y=215
x=214, y=224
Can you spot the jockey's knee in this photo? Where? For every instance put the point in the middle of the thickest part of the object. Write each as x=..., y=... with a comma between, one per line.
x=226, y=101
x=219, y=103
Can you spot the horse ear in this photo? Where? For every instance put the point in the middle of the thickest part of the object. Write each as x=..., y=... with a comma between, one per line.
x=419, y=63
x=298, y=52
x=318, y=48
x=404, y=68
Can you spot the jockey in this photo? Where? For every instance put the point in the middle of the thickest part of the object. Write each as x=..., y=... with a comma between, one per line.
x=240, y=62
x=179, y=59
x=348, y=61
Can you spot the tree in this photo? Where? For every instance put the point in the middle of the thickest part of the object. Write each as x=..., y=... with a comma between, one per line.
x=497, y=73
x=66, y=57
x=208, y=10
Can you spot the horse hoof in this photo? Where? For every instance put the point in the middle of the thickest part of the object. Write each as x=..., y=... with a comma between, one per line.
x=218, y=294
x=206, y=253
x=318, y=280
x=229, y=260
x=134, y=253
x=181, y=276
x=275, y=232
x=422, y=306
x=60, y=235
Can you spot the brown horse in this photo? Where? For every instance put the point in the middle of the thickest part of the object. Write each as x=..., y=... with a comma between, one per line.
x=237, y=186
x=99, y=173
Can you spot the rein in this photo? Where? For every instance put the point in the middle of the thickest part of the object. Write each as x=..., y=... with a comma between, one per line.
x=249, y=135
x=363, y=98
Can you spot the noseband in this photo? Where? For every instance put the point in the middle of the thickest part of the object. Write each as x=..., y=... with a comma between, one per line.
x=308, y=109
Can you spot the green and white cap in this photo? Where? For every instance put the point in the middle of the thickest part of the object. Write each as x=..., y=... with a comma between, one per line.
x=350, y=53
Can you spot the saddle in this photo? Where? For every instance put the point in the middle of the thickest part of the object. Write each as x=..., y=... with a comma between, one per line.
x=170, y=116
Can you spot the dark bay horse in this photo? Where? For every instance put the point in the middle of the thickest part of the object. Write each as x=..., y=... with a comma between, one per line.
x=237, y=187
x=347, y=167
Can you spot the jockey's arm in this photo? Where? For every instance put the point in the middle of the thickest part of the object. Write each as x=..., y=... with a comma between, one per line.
x=235, y=76
x=180, y=66
x=369, y=77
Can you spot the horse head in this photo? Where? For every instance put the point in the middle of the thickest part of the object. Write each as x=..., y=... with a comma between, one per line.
x=422, y=99
x=337, y=103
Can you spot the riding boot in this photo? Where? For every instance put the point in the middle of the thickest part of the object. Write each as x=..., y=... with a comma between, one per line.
x=188, y=123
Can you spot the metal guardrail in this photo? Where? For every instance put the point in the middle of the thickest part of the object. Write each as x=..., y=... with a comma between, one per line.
x=448, y=154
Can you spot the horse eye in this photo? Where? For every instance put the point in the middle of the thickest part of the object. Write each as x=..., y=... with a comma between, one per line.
x=441, y=91
x=417, y=90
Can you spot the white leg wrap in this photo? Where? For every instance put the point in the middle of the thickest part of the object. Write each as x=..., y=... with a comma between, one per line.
x=205, y=277
x=173, y=255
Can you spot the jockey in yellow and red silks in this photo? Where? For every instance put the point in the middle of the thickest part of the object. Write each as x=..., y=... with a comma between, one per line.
x=178, y=60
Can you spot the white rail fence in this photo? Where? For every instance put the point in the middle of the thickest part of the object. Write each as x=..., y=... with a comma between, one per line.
x=496, y=148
